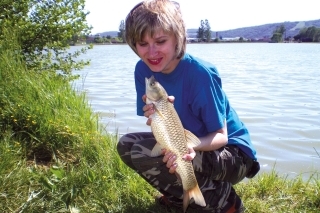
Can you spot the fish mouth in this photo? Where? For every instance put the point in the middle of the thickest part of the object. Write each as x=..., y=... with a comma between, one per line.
x=149, y=89
x=150, y=80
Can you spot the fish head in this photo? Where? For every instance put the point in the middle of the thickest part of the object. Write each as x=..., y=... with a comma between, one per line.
x=154, y=90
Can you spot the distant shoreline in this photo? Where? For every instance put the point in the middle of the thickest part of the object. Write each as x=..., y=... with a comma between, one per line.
x=220, y=42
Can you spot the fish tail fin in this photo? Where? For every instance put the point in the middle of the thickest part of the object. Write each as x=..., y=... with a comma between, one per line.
x=194, y=193
x=186, y=199
x=197, y=195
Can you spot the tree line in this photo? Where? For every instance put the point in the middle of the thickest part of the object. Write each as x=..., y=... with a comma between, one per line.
x=306, y=34
x=204, y=34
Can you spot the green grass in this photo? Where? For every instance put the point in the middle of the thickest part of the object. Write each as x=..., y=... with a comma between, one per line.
x=270, y=192
x=55, y=156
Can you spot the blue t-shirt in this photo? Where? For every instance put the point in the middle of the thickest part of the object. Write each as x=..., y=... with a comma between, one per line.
x=199, y=101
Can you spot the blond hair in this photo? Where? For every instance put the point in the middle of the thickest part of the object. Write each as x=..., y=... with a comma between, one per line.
x=149, y=16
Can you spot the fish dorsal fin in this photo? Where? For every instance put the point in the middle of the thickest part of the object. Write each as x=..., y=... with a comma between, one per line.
x=191, y=139
x=157, y=150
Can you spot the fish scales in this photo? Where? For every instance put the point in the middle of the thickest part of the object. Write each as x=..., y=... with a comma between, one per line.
x=168, y=124
x=170, y=134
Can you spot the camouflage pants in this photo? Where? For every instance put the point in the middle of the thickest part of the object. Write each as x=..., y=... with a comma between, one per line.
x=216, y=171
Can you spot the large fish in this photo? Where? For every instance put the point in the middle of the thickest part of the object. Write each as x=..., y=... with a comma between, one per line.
x=170, y=134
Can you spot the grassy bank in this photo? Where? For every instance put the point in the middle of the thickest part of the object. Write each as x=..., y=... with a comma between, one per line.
x=55, y=156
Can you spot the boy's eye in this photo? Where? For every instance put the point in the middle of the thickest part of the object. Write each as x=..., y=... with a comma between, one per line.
x=142, y=44
x=161, y=41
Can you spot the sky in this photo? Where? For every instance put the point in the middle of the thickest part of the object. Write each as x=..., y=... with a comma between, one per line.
x=106, y=15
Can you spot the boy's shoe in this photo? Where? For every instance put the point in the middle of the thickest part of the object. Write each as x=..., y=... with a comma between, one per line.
x=164, y=202
x=168, y=202
x=237, y=207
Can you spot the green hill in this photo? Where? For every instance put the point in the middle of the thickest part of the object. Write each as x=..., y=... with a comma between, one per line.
x=254, y=32
x=261, y=31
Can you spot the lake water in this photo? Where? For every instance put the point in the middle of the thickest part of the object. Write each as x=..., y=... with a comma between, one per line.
x=275, y=89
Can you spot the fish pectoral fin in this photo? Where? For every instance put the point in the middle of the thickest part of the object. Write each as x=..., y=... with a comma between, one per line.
x=191, y=139
x=158, y=111
x=156, y=150
x=148, y=101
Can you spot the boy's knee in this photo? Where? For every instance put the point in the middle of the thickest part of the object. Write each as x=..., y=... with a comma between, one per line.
x=119, y=148
x=122, y=146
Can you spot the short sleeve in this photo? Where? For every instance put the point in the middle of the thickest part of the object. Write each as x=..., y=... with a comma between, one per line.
x=210, y=102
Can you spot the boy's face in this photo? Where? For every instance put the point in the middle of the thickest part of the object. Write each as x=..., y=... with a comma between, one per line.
x=159, y=51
